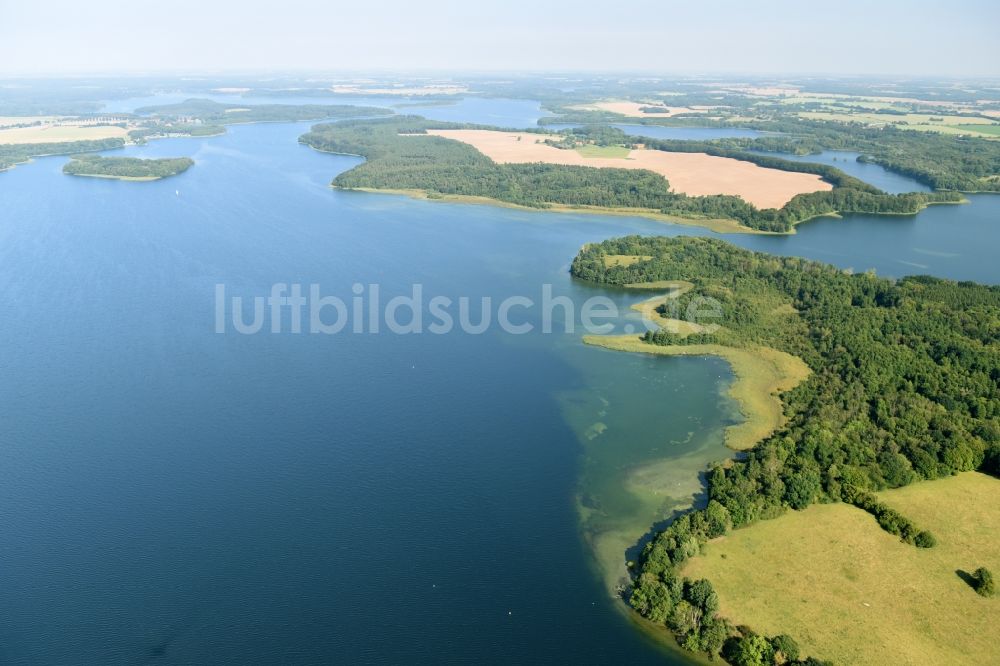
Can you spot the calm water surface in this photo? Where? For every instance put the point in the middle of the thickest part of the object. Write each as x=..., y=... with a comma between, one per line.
x=169, y=494
x=847, y=161
x=690, y=133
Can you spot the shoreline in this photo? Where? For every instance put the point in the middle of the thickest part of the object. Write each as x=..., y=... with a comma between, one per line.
x=761, y=375
x=719, y=226
x=138, y=179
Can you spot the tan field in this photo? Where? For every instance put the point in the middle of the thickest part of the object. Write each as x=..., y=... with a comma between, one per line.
x=634, y=109
x=695, y=174
x=59, y=133
x=850, y=592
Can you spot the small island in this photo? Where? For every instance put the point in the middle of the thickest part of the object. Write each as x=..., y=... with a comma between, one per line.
x=127, y=168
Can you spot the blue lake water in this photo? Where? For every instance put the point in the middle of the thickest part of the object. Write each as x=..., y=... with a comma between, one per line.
x=690, y=133
x=873, y=174
x=171, y=494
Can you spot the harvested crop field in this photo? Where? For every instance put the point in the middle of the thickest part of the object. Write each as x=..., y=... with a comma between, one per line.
x=695, y=174
x=60, y=133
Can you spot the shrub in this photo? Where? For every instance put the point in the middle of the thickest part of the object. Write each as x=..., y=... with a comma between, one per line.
x=983, y=582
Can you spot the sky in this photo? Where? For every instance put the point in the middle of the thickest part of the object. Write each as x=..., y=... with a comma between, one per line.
x=913, y=37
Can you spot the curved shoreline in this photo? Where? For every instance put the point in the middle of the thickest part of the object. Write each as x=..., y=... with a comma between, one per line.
x=761, y=375
x=719, y=226
x=139, y=179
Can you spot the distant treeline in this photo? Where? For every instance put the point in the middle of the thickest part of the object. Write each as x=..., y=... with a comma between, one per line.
x=216, y=113
x=905, y=386
x=11, y=154
x=940, y=161
x=447, y=167
x=126, y=167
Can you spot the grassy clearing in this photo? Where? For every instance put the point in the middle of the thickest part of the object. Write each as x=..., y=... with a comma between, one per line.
x=992, y=130
x=613, y=260
x=663, y=285
x=922, y=122
x=851, y=592
x=616, y=152
x=761, y=373
x=648, y=308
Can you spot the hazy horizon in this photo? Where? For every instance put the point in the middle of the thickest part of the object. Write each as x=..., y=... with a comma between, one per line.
x=853, y=38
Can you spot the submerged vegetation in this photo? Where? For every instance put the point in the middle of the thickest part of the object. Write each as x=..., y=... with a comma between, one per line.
x=904, y=386
x=127, y=168
x=446, y=167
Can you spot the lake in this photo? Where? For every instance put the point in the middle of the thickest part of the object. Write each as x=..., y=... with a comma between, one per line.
x=690, y=133
x=178, y=495
x=847, y=161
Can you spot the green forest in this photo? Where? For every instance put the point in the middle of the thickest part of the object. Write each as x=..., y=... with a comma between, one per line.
x=11, y=154
x=126, y=167
x=940, y=161
x=446, y=167
x=905, y=387
x=216, y=113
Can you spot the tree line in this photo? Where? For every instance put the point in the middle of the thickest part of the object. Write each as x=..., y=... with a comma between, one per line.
x=126, y=167
x=11, y=154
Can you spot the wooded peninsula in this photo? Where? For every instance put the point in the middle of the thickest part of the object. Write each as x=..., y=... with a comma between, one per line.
x=903, y=389
x=442, y=167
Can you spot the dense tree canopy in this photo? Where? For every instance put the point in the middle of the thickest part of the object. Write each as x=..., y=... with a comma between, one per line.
x=126, y=167
x=11, y=154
